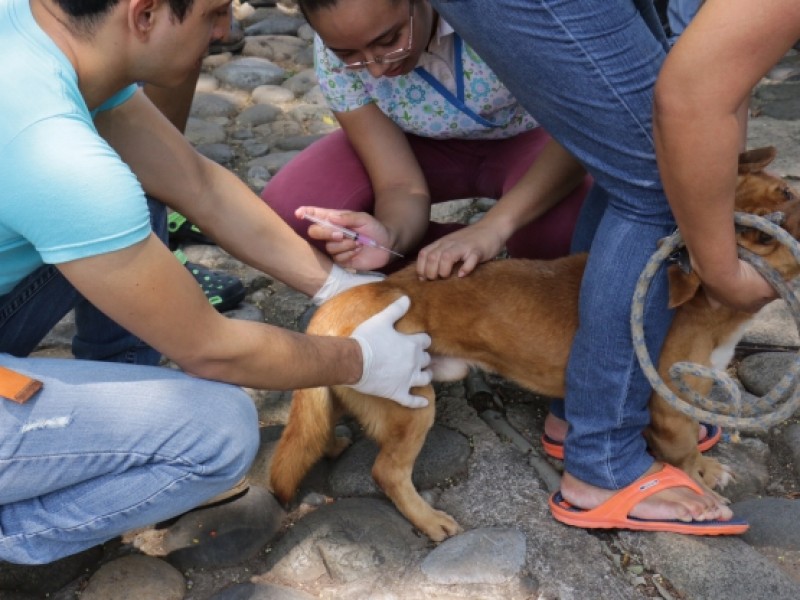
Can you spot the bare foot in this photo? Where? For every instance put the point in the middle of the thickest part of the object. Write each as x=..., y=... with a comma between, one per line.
x=675, y=503
x=556, y=429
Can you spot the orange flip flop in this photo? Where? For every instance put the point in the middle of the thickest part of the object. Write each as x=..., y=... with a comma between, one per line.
x=614, y=513
x=555, y=449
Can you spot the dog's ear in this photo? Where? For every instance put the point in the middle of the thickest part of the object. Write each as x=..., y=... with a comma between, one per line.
x=683, y=286
x=754, y=161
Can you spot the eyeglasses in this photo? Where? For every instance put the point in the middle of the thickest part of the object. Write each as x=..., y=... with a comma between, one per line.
x=393, y=56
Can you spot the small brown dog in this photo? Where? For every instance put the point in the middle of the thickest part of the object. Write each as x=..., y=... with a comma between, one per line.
x=539, y=301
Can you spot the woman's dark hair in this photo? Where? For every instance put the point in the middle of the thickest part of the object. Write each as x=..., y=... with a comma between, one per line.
x=311, y=6
x=308, y=7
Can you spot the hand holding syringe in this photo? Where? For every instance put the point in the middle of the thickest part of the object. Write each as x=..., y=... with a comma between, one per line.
x=358, y=238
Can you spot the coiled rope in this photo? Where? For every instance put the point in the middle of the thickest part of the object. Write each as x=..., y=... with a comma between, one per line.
x=751, y=413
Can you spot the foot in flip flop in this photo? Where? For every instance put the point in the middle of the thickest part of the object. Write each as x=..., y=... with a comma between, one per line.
x=617, y=511
x=707, y=439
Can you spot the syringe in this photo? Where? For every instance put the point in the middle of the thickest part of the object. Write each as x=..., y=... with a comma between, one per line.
x=358, y=238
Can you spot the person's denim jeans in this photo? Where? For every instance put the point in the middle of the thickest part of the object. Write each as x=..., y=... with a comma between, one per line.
x=585, y=69
x=680, y=12
x=104, y=448
x=43, y=298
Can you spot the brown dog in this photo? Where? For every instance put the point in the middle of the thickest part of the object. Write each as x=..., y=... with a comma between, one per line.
x=539, y=301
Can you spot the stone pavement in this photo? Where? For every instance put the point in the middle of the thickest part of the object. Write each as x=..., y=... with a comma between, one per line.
x=482, y=462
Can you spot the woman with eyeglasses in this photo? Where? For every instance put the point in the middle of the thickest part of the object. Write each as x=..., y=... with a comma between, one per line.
x=423, y=119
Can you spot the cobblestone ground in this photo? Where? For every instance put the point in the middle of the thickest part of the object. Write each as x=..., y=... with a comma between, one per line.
x=482, y=462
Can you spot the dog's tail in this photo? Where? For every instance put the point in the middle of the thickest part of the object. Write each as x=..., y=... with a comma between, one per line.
x=307, y=436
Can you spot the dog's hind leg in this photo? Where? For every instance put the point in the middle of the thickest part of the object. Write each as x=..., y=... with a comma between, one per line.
x=400, y=433
x=307, y=437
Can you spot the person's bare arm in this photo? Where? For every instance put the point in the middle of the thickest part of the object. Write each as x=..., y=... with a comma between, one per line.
x=552, y=176
x=147, y=291
x=707, y=76
x=402, y=200
x=211, y=196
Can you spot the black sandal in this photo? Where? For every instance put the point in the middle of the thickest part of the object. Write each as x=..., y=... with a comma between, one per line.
x=223, y=291
x=181, y=231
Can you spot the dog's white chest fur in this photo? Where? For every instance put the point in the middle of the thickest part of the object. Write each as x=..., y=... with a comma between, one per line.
x=721, y=355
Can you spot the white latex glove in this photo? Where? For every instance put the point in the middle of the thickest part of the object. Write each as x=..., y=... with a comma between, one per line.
x=393, y=362
x=340, y=280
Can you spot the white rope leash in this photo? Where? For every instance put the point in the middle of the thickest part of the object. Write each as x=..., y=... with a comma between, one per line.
x=748, y=414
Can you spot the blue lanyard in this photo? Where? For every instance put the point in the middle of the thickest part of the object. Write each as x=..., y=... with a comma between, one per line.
x=458, y=99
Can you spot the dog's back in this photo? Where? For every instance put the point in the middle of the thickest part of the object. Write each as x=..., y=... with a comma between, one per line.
x=511, y=317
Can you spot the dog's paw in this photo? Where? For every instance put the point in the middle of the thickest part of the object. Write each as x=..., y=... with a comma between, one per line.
x=439, y=526
x=713, y=473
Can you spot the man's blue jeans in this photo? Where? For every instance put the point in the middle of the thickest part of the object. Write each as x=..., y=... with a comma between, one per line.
x=105, y=447
x=585, y=69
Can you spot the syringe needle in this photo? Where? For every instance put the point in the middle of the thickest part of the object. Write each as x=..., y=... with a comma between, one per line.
x=349, y=233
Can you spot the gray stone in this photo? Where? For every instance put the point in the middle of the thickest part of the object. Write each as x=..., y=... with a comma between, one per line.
x=219, y=153
x=305, y=57
x=257, y=177
x=274, y=47
x=214, y=104
x=300, y=83
x=488, y=555
x=315, y=96
x=748, y=458
x=774, y=522
x=704, y=567
x=298, y=142
x=250, y=72
x=452, y=211
x=765, y=131
x=258, y=114
x=284, y=128
x=246, y=312
x=316, y=119
x=760, y=372
x=778, y=101
x=443, y=457
x=273, y=162
x=43, y=579
x=226, y=534
x=348, y=540
x=255, y=148
x=61, y=335
x=202, y=132
x=792, y=438
x=206, y=84
x=272, y=94
x=242, y=135
x=305, y=32
x=135, y=576
x=772, y=326
x=274, y=22
x=260, y=591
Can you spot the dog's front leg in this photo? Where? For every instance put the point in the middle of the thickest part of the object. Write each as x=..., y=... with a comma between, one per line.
x=672, y=438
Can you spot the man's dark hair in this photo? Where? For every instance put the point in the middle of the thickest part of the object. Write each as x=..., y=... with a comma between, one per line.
x=86, y=14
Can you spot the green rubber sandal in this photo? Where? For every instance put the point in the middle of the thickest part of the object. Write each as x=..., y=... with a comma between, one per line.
x=224, y=292
x=182, y=231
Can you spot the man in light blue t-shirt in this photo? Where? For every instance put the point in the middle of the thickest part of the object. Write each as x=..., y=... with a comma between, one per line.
x=106, y=447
